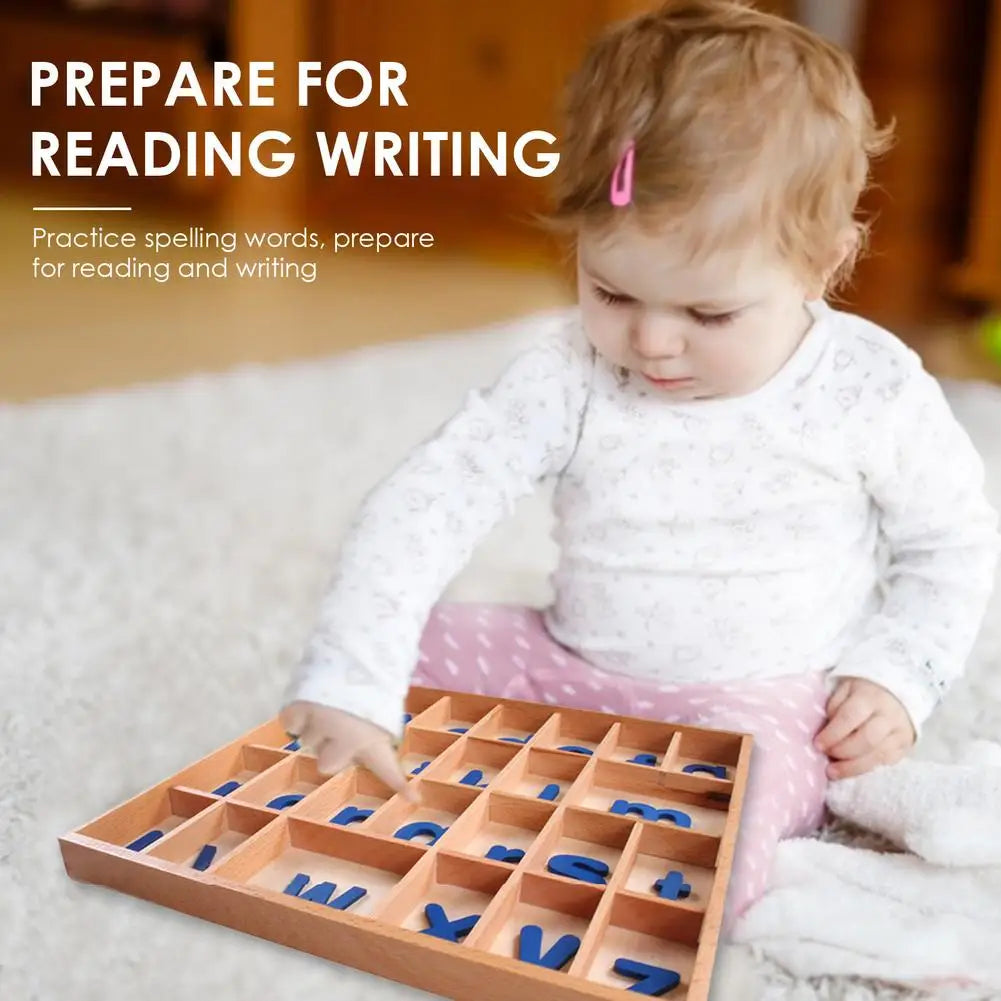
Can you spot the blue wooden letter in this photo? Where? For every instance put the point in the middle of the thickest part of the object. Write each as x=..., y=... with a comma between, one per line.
x=205, y=857
x=420, y=768
x=718, y=770
x=678, y=817
x=648, y=812
x=643, y=759
x=501, y=854
x=588, y=870
x=624, y=807
x=575, y=749
x=144, y=841
x=653, y=980
x=440, y=926
x=421, y=829
x=473, y=778
x=226, y=788
x=285, y=801
x=518, y=740
x=351, y=815
x=559, y=954
x=550, y=792
x=321, y=893
x=348, y=897
x=293, y=745
x=673, y=886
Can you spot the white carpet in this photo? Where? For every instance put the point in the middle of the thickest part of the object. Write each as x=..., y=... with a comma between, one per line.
x=163, y=553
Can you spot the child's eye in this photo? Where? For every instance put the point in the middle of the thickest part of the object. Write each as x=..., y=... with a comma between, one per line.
x=712, y=319
x=612, y=298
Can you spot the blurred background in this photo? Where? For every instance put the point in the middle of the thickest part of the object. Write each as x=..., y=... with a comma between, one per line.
x=933, y=275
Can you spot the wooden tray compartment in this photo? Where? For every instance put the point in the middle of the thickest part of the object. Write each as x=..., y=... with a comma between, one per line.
x=599, y=837
x=535, y=773
x=515, y=724
x=418, y=699
x=147, y=818
x=349, y=798
x=577, y=733
x=226, y=773
x=501, y=828
x=290, y=848
x=463, y=888
x=420, y=747
x=473, y=762
x=559, y=907
x=441, y=805
x=611, y=784
x=223, y=827
x=645, y=742
x=283, y=785
x=661, y=850
x=708, y=749
x=456, y=713
x=647, y=932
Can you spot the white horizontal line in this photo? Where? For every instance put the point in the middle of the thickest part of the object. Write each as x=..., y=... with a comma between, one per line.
x=82, y=208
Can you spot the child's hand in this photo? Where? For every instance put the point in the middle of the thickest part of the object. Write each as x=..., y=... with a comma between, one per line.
x=340, y=739
x=866, y=726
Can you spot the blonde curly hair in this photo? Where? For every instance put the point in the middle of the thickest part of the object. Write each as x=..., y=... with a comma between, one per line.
x=744, y=124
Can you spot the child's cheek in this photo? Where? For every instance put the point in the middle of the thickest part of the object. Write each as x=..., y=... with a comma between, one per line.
x=608, y=332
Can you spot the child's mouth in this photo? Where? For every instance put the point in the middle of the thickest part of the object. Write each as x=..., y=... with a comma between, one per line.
x=670, y=383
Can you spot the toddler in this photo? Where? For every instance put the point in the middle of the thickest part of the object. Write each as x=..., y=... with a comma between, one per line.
x=768, y=519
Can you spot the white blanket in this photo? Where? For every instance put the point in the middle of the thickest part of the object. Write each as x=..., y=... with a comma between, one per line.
x=841, y=909
x=929, y=916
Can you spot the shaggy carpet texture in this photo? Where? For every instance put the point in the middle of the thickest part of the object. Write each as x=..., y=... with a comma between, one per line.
x=164, y=551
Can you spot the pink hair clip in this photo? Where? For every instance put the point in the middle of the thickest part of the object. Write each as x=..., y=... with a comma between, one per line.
x=621, y=192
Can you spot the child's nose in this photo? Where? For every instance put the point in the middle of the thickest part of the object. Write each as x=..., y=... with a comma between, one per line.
x=657, y=337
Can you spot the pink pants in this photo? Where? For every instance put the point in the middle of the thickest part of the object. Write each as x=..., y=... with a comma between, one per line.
x=506, y=651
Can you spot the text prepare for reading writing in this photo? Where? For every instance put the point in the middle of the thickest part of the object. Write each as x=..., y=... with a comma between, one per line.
x=347, y=83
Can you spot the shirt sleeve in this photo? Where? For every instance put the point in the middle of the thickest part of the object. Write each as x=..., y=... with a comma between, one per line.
x=927, y=481
x=418, y=528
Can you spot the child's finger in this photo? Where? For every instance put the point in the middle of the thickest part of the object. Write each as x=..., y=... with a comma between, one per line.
x=849, y=716
x=871, y=734
x=380, y=759
x=332, y=757
x=312, y=736
x=883, y=755
x=839, y=695
x=293, y=717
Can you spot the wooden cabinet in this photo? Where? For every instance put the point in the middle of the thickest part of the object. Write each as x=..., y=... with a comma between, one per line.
x=979, y=277
x=46, y=32
x=918, y=63
x=471, y=67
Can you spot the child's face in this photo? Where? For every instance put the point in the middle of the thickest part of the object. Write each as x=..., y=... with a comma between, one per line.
x=720, y=327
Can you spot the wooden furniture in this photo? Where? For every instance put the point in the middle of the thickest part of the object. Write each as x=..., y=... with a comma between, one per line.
x=609, y=838
x=919, y=64
x=979, y=276
x=50, y=30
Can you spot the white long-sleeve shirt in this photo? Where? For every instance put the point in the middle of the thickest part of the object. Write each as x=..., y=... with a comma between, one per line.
x=834, y=518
